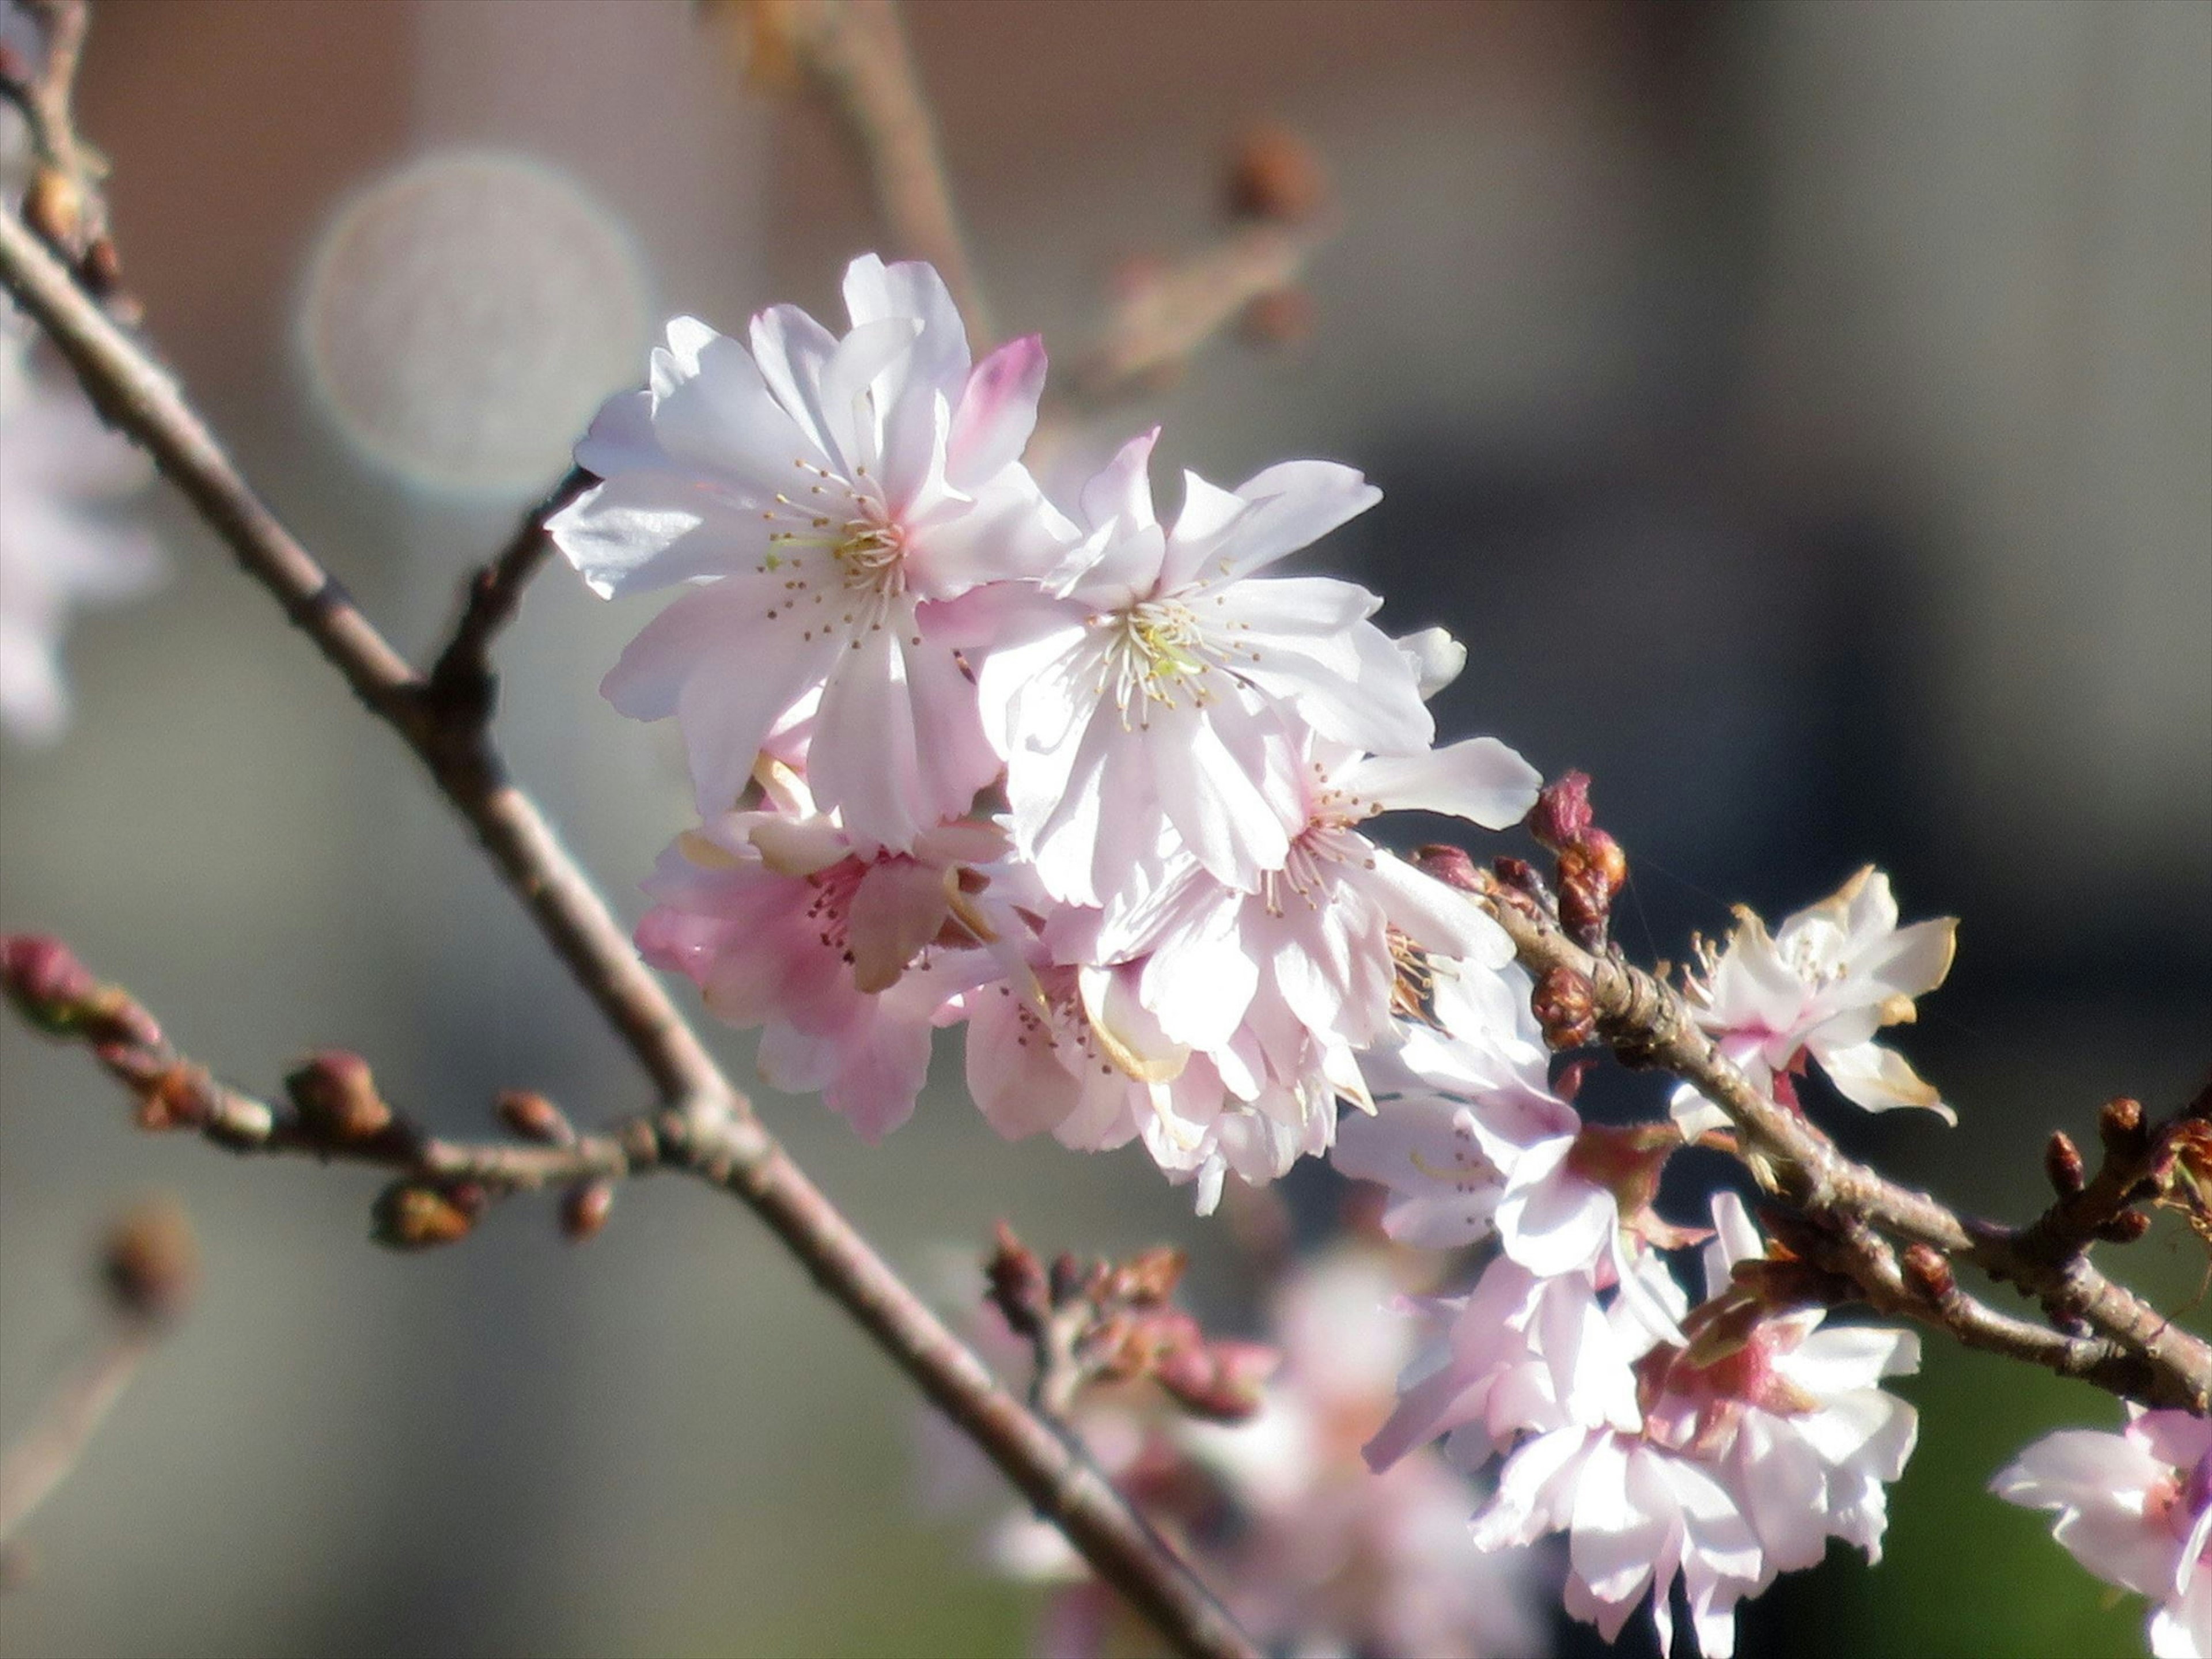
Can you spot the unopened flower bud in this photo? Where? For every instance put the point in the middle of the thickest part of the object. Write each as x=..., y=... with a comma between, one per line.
x=1591, y=874
x=54, y=207
x=1223, y=1381
x=1066, y=1280
x=56, y=992
x=1562, y=1004
x=1561, y=816
x=1449, y=865
x=337, y=1098
x=1281, y=318
x=584, y=1208
x=102, y=268
x=1149, y=1278
x=1928, y=1270
x=2120, y=1125
x=150, y=1263
x=172, y=1094
x=2126, y=1227
x=1016, y=1279
x=417, y=1215
x=2061, y=1162
x=535, y=1118
x=1275, y=176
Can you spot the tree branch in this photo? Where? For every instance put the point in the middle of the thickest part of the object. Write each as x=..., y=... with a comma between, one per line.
x=463, y=687
x=2143, y=1355
x=855, y=53
x=709, y=1129
x=1166, y=318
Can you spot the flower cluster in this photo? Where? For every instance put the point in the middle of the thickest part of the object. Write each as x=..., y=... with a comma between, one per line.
x=2136, y=1508
x=1720, y=1444
x=1087, y=781
x=1313, y=1552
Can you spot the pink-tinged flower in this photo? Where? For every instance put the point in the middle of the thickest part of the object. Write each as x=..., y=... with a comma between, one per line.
x=1464, y=1121
x=1469, y=1140
x=822, y=494
x=57, y=464
x=1521, y=1354
x=1792, y=1415
x=1071, y=1050
x=1157, y=682
x=1636, y=1517
x=1313, y=1553
x=2136, y=1508
x=843, y=952
x=1309, y=957
x=1820, y=986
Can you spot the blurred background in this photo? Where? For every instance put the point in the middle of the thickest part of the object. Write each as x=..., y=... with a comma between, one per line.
x=1802, y=411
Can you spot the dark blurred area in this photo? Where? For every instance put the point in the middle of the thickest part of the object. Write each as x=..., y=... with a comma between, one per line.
x=1803, y=412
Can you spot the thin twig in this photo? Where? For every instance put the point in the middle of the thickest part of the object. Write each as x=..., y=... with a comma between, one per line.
x=709, y=1129
x=2146, y=1356
x=855, y=53
x=1166, y=318
x=462, y=683
x=39, y=1462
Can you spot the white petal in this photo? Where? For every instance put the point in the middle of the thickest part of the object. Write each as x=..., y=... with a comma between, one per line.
x=1479, y=779
x=1293, y=504
x=1879, y=1080
x=1438, y=658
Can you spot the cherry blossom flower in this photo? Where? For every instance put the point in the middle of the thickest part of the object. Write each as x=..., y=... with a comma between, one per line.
x=2136, y=1508
x=57, y=464
x=822, y=494
x=1314, y=1554
x=1820, y=986
x=843, y=951
x=1724, y=1456
x=1308, y=954
x=1071, y=1049
x=1157, y=684
x=1637, y=1517
x=1465, y=1123
x=1792, y=1415
x=1519, y=1354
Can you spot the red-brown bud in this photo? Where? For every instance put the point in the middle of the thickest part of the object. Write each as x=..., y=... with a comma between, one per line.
x=1449, y=865
x=1928, y=1270
x=172, y=1094
x=1223, y=1381
x=1561, y=816
x=2061, y=1162
x=1017, y=1280
x=1591, y=874
x=337, y=1098
x=584, y=1208
x=2126, y=1227
x=1149, y=1278
x=150, y=1263
x=2120, y=1126
x=1066, y=1279
x=1275, y=176
x=1281, y=318
x=54, y=207
x=56, y=992
x=1562, y=1004
x=417, y=1215
x=535, y=1118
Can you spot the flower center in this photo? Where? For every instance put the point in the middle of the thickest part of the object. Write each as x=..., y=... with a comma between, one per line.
x=1308, y=873
x=850, y=520
x=1156, y=651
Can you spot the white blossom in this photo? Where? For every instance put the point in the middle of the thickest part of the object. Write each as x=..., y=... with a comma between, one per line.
x=2136, y=1508
x=1819, y=986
